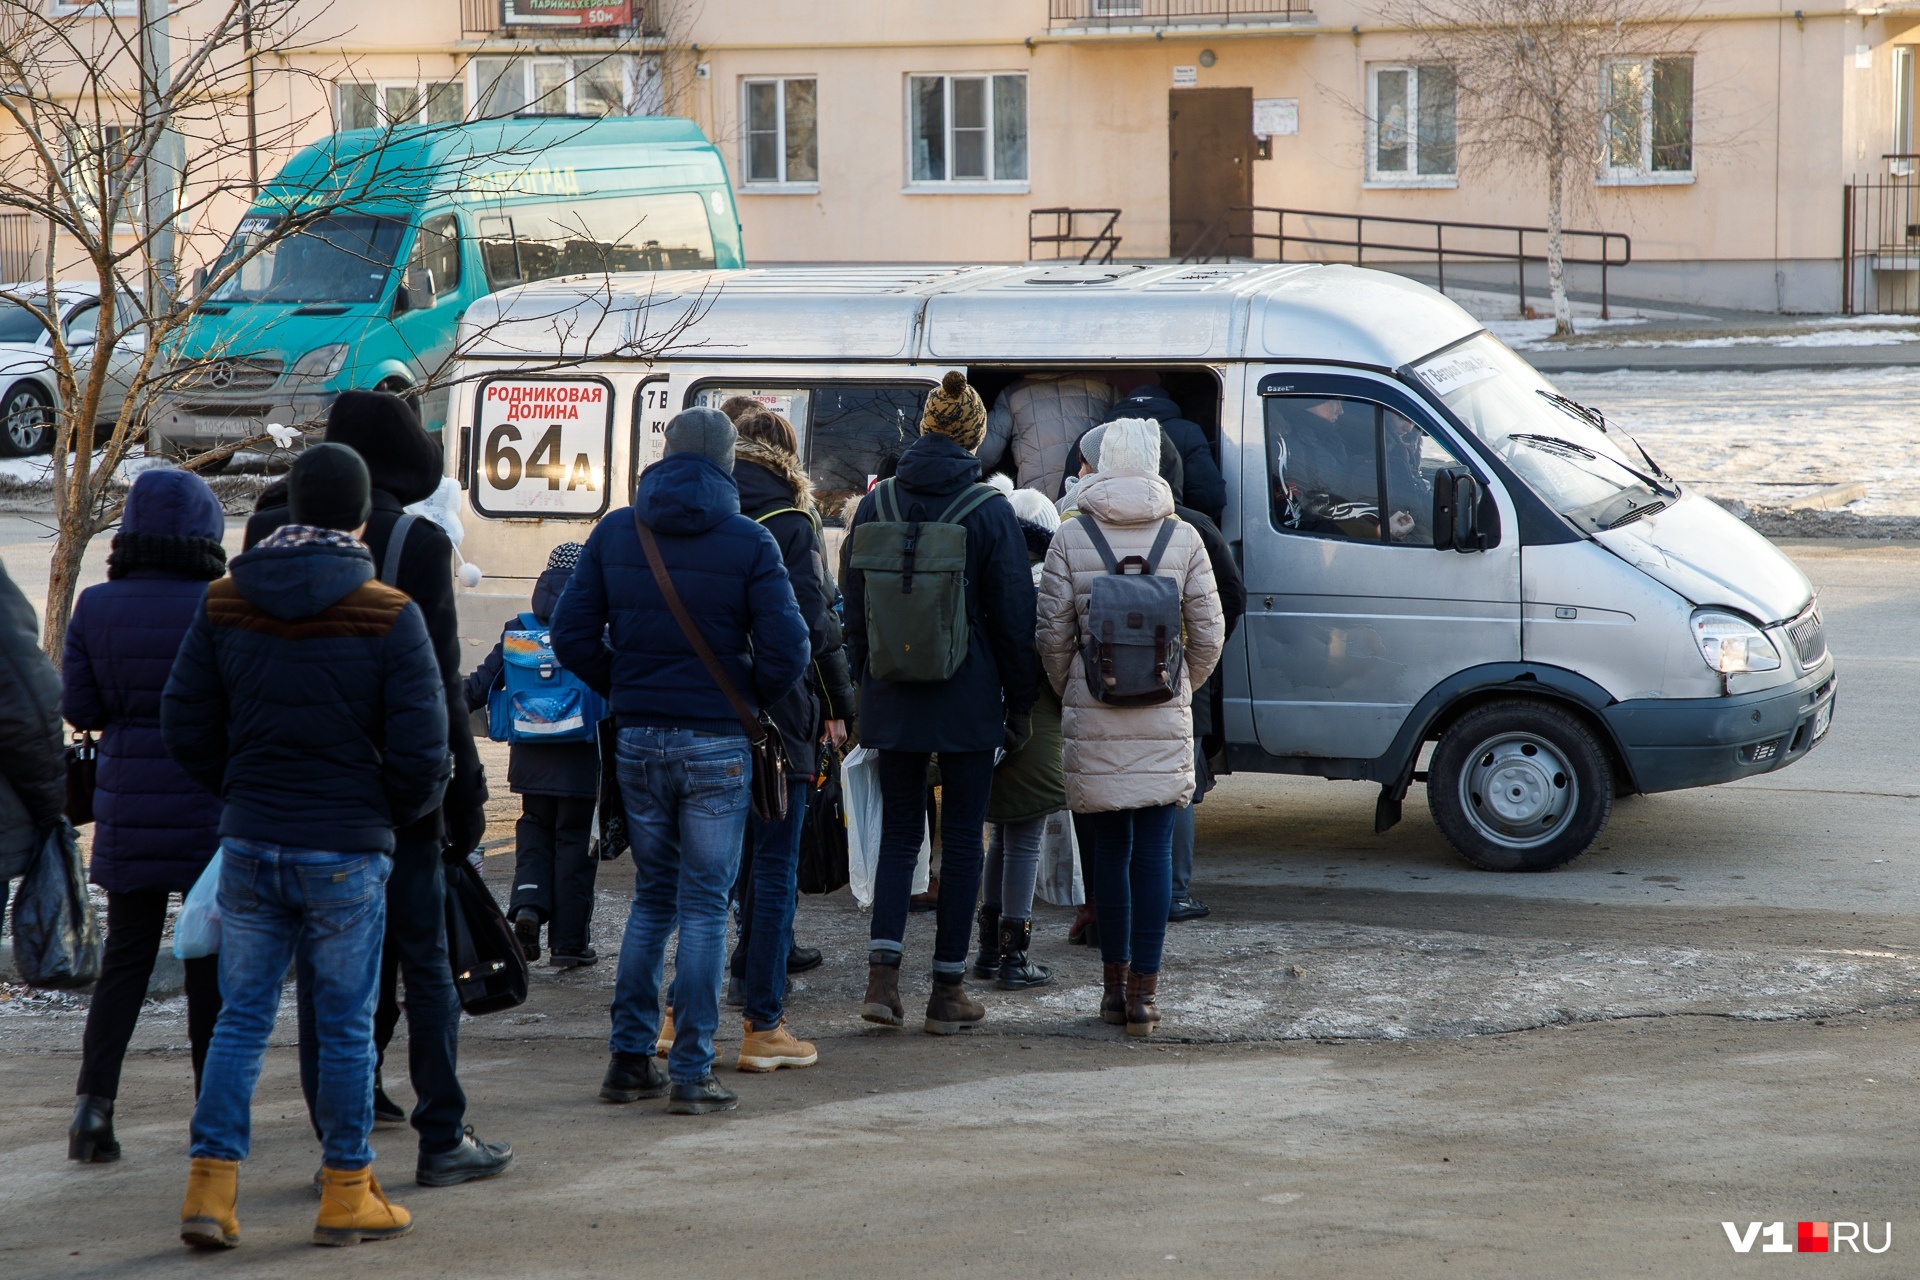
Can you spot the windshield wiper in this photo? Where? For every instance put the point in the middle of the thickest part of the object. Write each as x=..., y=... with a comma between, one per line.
x=1554, y=444
x=1587, y=413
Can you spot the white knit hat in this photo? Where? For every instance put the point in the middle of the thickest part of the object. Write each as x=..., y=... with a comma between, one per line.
x=1131, y=444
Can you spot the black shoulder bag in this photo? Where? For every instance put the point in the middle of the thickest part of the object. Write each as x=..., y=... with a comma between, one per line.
x=770, y=765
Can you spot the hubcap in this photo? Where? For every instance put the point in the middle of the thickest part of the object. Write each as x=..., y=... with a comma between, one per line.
x=1518, y=790
x=25, y=417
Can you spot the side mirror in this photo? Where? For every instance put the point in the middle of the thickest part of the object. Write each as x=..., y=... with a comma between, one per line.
x=1463, y=517
x=402, y=300
x=420, y=285
x=199, y=281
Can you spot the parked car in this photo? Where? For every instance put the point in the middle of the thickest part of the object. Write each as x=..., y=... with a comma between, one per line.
x=410, y=226
x=1439, y=550
x=26, y=366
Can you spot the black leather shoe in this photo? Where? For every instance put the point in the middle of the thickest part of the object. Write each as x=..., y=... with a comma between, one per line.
x=526, y=927
x=575, y=959
x=736, y=992
x=90, y=1137
x=800, y=959
x=699, y=1099
x=387, y=1114
x=1188, y=909
x=631, y=1077
x=468, y=1162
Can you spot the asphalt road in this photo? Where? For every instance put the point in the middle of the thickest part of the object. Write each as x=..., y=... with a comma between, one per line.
x=1376, y=1062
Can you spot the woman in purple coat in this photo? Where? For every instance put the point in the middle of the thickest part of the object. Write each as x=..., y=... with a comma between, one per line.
x=154, y=828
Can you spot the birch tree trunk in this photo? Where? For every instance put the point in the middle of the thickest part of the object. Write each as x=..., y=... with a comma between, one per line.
x=1556, y=249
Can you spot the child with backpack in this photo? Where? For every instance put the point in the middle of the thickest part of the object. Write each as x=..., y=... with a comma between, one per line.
x=552, y=720
x=1129, y=626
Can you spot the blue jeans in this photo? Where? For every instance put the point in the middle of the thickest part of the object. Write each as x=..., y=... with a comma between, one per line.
x=688, y=796
x=330, y=909
x=1132, y=883
x=771, y=887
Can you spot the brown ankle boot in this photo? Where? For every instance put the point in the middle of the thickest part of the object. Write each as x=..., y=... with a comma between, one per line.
x=883, y=990
x=207, y=1218
x=1142, y=1015
x=1113, y=996
x=950, y=1009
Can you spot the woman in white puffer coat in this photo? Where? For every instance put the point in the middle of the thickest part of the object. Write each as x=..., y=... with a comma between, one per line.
x=1127, y=768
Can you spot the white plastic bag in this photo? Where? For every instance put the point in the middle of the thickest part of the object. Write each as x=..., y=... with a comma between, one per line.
x=196, y=930
x=860, y=792
x=1059, y=880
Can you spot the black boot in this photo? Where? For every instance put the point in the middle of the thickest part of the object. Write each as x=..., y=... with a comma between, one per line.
x=1016, y=974
x=801, y=959
x=387, y=1114
x=988, y=962
x=90, y=1137
x=631, y=1077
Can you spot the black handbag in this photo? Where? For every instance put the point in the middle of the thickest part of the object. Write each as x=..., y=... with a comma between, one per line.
x=489, y=969
x=823, y=833
x=609, y=809
x=770, y=767
x=83, y=767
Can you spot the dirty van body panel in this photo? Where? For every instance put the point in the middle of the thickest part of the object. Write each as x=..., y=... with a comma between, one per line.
x=1703, y=553
x=1676, y=743
x=1587, y=610
x=1346, y=633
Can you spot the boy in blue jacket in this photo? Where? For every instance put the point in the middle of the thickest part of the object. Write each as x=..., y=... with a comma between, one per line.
x=307, y=696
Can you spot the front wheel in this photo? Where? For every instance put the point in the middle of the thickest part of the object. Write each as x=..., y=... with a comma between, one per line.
x=26, y=420
x=1519, y=786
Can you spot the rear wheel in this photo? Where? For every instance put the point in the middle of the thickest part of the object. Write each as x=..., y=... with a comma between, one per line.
x=1519, y=786
x=26, y=420
x=404, y=390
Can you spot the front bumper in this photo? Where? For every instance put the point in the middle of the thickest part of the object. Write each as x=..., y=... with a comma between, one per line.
x=1674, y=743
x=188, y=424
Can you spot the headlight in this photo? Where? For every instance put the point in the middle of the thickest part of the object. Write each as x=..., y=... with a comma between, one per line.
x=321, y=362
x=1731, y=644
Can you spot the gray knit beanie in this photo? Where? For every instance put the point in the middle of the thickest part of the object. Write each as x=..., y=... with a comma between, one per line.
x=708, y=432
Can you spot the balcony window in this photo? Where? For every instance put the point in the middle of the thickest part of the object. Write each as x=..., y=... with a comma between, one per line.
x=379, y=104
x=1648, y=132
x=593, y=85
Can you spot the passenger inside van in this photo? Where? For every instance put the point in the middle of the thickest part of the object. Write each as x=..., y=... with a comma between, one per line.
x=1327, y=457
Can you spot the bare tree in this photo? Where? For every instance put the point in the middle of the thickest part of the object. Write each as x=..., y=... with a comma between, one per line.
x=90, y=132
x=1553, y=90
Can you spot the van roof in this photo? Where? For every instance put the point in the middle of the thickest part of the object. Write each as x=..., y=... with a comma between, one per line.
x=1039, y=312
x=408, y=165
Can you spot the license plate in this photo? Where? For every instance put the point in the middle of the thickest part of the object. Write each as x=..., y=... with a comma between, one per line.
x=221, y=428
x=1822, y=721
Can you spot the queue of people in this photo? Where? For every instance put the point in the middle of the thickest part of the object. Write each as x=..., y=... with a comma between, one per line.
x=302, y=713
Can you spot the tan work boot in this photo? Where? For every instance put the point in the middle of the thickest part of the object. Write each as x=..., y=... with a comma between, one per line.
x=207, y=1219
x=1113, y=993
x=354, y=1208
x=1143, y=1016
x=664, y=1045
x=771, y=1050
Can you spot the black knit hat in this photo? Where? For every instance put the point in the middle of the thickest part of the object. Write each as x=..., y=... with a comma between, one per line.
x=383, y=429
x=329, y=487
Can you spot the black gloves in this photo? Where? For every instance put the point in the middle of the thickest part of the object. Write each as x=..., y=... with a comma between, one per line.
x=1019, y=730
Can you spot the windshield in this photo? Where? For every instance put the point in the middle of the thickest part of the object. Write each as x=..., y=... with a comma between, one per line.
x=17, y=324
x=343, y=258
x=1595, y=476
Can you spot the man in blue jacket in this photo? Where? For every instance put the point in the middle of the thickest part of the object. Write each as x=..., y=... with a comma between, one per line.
x=307, y=696
x=684, y=763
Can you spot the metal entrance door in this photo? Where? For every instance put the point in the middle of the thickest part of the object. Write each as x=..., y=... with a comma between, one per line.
x=1210, y=170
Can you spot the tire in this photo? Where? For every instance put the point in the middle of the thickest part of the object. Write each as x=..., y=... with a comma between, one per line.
x=26, y=420
x=1519, y=785
x=404, y=390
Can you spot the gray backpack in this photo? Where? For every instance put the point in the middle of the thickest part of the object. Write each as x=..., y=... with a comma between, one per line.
x=1131, y=646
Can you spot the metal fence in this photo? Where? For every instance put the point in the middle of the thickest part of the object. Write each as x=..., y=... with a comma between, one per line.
x=1068, y=233
x=1880, y=247
x=1156, y=13
x=1320, y=236
x=16, y=247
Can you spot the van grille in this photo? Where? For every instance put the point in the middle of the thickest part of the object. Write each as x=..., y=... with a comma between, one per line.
x=228, y=373
x=1809, y=636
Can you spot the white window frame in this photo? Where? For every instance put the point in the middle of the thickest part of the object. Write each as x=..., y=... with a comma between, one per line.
x=419, y=88
x=777, y=186
x=639, y=80
x=1901, y=134
x=1644, y=174
x=961, y=186
x=98, y=8
x=1410, y=177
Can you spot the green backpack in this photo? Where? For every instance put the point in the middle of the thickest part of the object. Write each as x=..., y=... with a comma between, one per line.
x=916, y=586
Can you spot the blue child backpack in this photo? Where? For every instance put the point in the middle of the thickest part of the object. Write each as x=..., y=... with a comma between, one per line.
x=536, y=699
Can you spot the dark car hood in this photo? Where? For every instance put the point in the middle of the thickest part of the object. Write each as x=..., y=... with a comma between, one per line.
x=300, y=581
x=686, y=493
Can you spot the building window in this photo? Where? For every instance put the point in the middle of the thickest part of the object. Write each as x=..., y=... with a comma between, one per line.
x=378, y=104
x=1649, y=120
x=967, y=129
x=588, y=85
x=1902, y=134
x=1412, y=126
x=782, y=135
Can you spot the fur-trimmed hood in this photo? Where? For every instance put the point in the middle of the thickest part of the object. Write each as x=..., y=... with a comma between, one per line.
x=780, y=467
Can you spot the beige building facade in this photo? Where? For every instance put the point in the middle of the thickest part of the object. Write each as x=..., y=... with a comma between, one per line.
x=929, y=131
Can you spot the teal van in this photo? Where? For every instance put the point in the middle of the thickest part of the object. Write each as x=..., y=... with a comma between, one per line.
x=413, y=225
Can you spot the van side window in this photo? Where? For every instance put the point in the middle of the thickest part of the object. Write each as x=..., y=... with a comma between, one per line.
x=499, y=253
x=1328, y=458
x=539, y=241
x=850, y=433
x=437, y=249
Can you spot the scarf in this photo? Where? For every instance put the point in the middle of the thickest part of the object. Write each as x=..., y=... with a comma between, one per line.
x=198, y=559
